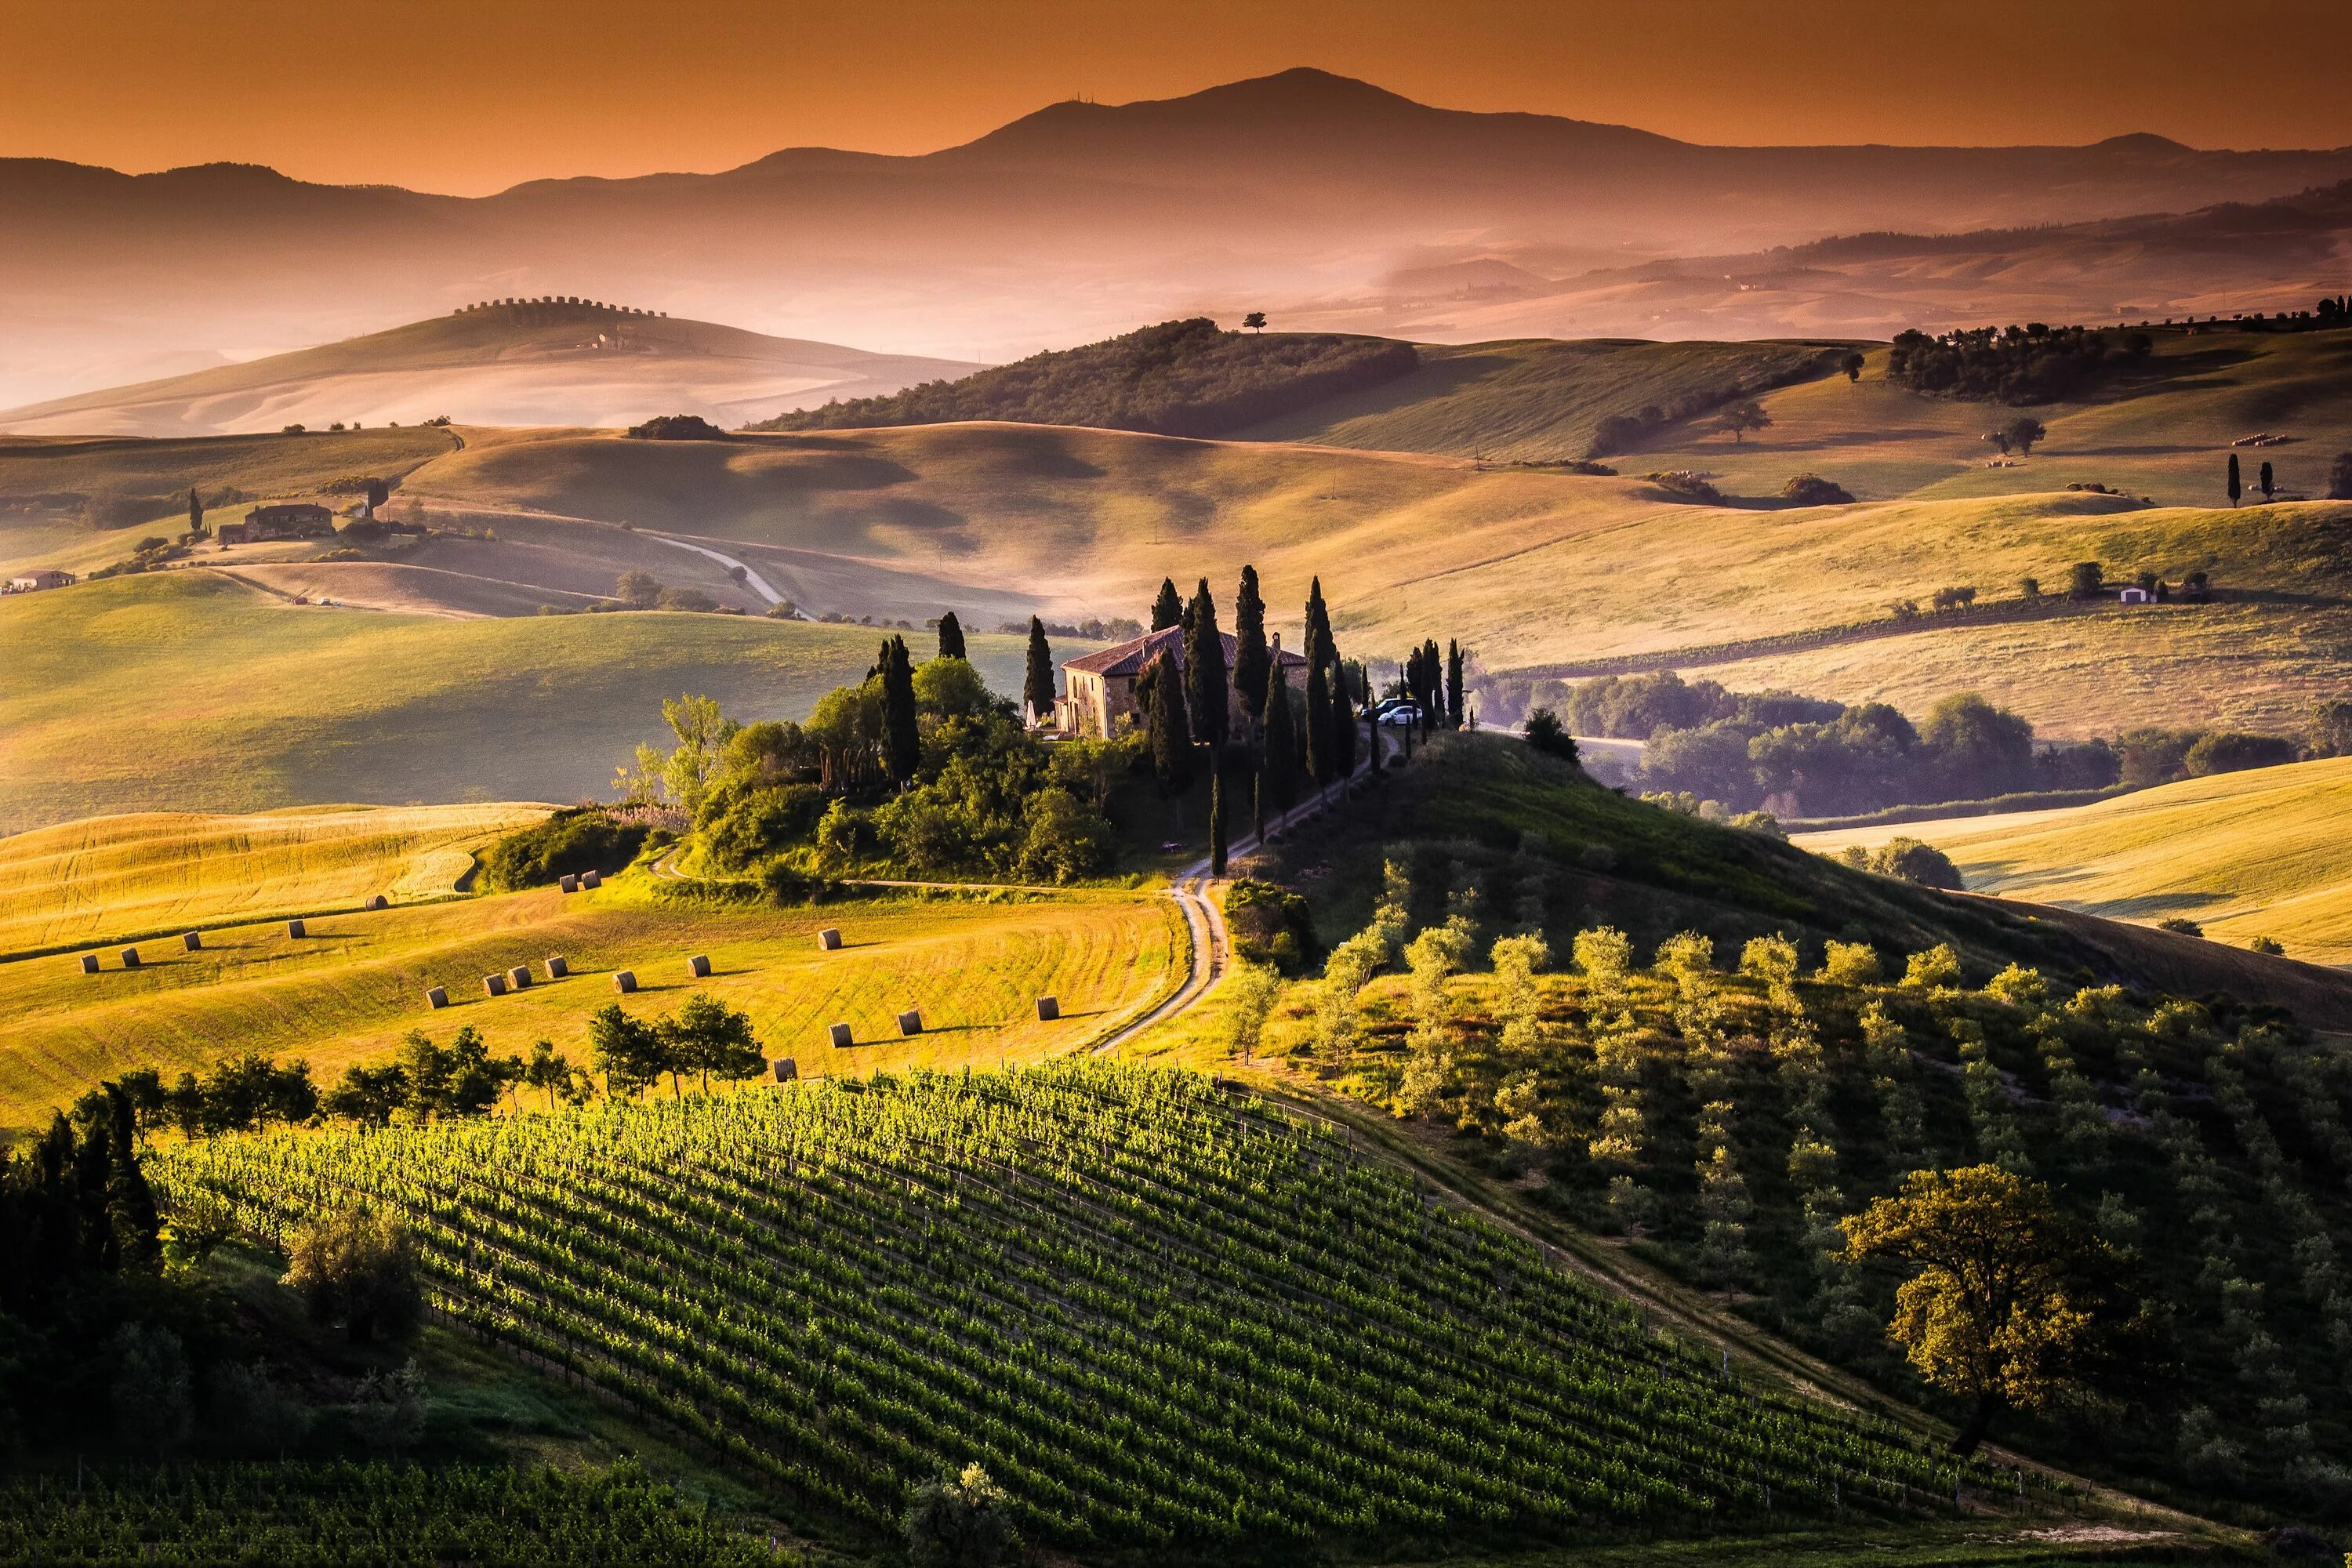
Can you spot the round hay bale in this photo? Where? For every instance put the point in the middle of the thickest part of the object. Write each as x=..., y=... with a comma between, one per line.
x=495, y=984
x=841, y=1036
x=911, y=1022
x=828, y=940
x=625, y=981
x=785, y=1069
x=129, y=958
x=436, y=998
x=556, y=968
x=698, y=966
x=1049, y=1008
x=519, y=976
x=192, y=940
x=296, y=928
x=90, y=963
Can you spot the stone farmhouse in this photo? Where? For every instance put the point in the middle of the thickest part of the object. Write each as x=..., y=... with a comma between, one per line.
x=33, y=582
x=280, y=520
x=1098, y=690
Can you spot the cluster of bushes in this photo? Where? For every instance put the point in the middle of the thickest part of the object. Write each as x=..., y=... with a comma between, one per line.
x=919, y=766
x=1908, y=859
x=1741, y=749
x=1179, y=378
x=576, y=840
x=2033, y=363
x=677, y=428
x=1270, y=925
x=1118, y=628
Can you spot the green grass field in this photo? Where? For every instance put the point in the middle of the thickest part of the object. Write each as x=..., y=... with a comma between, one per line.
x=355, y=986
x=2260, y=853
x=187, y=692
x=109, y=878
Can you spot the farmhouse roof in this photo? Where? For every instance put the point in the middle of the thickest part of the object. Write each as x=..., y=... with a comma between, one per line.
x=1133, y=658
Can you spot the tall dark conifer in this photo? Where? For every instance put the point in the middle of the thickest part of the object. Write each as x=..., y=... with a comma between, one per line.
x=1343, y=724
x=902, y=745
x=1278, y=753
x=1217, y=821
x=1207, y=701
x=1250, y=653
x=951, y=636
x=196, y=512
x=1038, y=689
x=1318, y=618
x=2236, y=490
x=1453, y=684
x=1166, y=610
x=1172, y=737
x=1319, y=760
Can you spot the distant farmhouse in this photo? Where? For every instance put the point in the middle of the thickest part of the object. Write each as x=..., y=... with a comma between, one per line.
x=33, y=582
x=1098, y=690
x=282, y=519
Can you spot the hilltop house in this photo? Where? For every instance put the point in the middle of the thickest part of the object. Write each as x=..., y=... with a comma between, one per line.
x=1098, y=690
x=280, y=520
x=33, y=582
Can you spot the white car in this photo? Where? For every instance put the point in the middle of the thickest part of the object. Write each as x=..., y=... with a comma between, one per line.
x=1400, y=715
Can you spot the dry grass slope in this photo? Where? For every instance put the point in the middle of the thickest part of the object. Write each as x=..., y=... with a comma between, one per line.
x=355, y=986
x=111, y=878
x=2262, y=853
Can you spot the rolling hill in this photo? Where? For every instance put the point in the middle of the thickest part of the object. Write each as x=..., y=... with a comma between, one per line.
x=191, y=692
x=575, y=364
x=1078, y=220
x=2243, y=855
x=112, y=878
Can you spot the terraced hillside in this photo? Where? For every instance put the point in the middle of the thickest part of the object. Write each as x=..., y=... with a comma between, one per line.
x=112, y=877
x=2255, y=853
x=1158, y=1316
x=350, y=988
x=193, y=689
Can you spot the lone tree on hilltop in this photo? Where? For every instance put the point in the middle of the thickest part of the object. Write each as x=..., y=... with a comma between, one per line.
x=2236, y=487
x=1992, y=1315
x=951, y=636
x=1167, y=610
x=1250, y=652
x=1852, y=365
x=2085, y=580
x=1254, y=321
x=1038, y=689
x=2023, y=432
x=1742, y=417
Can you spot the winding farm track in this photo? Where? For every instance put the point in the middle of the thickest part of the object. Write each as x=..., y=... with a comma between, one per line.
x=752, y=580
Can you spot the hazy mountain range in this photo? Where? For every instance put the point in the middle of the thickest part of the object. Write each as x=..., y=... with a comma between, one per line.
x=1323, y=198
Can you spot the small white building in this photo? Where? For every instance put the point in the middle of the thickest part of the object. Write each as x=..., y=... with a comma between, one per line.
x=33, y=582
x=2136, y=595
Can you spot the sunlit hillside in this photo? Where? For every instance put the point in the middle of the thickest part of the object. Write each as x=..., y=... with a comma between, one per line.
x=2257, y=854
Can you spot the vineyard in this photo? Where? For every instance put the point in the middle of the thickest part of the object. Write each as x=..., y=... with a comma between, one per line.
x=1159, y=1315
x=368, y=1516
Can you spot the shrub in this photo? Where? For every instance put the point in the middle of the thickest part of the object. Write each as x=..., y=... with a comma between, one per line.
x=1937, y=966
x=1851, y=963
x=2232, y=751
x=1812, y=489
x=2181, y=925
x=359, y=1269
x=1066, y=838
x=761, y=824
x=1546, y=734
x=693, y=599
x=2266, y=945
x=1686, y=483
x=677, y=428
x=1270, y=925
x=578, y=838
x=1914, y=860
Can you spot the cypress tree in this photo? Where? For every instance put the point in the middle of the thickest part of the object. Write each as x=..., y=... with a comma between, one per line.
x=1206, y=699
x=1172, y=737
x=130, y=1202
x=1250, y=654
x=1453, y=684
x=1278, y=760
x=2235, y=491
x=196, y=512
x=1433, y=677
x=2267, y=483
x=902, y=745
x=1038, y=690
x=1318, y=721
x=1166, y=610
x=951, y=636
x=1217, y=821
x=1343, y=723
x=1318, y=618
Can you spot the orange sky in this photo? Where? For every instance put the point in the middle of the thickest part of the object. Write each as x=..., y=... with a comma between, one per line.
x=473, y=95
